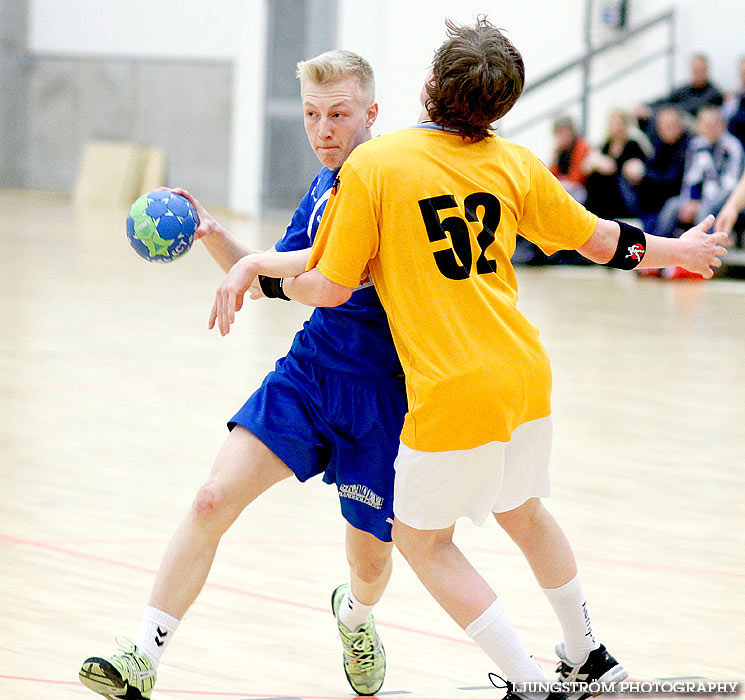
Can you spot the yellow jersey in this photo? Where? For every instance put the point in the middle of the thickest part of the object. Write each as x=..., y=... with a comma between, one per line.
x=433, y=219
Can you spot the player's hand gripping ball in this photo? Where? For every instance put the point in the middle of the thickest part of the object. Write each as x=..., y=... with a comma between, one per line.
x=161, y=225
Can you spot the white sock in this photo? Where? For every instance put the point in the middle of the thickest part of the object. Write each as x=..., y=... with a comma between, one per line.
x=352, y=613
x=156, y=631
x=493, y=632
x=570, y=606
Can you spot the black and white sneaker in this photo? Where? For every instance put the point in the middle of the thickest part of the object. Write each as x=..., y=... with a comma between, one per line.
x=512, y=694
x=598, y=668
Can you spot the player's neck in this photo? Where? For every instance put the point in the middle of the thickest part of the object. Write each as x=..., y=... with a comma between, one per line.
x=423, y=116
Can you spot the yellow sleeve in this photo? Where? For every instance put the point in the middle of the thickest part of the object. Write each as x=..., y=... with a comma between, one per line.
x=347, y=238
x=552, y=218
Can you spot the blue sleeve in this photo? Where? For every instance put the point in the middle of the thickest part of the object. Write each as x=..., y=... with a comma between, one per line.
x=296, y=235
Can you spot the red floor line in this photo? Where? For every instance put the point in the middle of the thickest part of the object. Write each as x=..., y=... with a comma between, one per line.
x=406, y=695
x=225, y=587
x=46, y=681
x=163, y=541
x=598, y=560
x=651, y=566
x=327, y=611
x=146, y=570
x=403, y=695
x=233, y=589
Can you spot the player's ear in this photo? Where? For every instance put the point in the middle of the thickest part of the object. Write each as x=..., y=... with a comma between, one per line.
x=372, y=114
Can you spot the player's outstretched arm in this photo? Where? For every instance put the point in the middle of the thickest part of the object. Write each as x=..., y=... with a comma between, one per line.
x=278, y=264
x=696, y=250
x=732, y=207
x=242, y=278
x=313, y=289
x=225, y=250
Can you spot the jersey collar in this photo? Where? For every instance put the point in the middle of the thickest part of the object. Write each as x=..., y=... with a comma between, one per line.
x=434, y=127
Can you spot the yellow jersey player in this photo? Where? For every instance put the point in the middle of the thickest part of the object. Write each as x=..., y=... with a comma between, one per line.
x=432, y=213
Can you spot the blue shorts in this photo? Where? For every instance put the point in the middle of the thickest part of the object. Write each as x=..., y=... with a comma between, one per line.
x=341, y=425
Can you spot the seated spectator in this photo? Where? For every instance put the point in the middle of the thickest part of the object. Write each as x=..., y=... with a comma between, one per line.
x=603, y=168
x=713, y=166
x=700, y=92
x=733, y=110
x=646, y=186
x=570, y=151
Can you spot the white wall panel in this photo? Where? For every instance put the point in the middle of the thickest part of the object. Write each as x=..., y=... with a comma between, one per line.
x=163, y=28
x=398, y=37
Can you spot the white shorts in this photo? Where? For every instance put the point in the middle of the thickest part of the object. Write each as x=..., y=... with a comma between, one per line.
x=433, y=489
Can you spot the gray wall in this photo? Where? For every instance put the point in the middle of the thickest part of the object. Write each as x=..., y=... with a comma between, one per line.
x=182, y=107
x=296, y=30
x=13, y=22
x=50, y=106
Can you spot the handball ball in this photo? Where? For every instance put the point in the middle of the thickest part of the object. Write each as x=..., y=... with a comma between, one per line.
x=161, y=225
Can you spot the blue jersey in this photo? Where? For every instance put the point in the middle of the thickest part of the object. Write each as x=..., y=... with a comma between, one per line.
x=353, y=337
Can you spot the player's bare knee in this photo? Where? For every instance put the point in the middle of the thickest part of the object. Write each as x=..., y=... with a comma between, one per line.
x=414, y=545
x=209, y=500
x=369, y=569
x=522, y=518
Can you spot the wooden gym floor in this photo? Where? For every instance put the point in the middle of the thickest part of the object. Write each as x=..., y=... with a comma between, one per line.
x=113, y=402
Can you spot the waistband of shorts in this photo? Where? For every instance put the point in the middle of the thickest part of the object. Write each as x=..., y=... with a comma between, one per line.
x=347, y=376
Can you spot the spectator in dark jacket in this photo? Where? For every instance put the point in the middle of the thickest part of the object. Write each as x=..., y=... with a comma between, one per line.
x=700, y=92
x=604, y=168
x=646, y=186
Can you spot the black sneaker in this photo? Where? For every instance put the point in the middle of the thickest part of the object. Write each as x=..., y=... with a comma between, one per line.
x=512, y=694
x=599, y=667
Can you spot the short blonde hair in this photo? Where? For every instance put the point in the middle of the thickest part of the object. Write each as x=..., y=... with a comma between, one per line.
x=331, y=66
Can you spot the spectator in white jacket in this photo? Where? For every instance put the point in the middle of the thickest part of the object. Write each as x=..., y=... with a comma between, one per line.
x=713, y=166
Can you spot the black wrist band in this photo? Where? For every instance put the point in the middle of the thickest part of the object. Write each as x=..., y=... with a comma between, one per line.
x=632, y=245
x=272, y=287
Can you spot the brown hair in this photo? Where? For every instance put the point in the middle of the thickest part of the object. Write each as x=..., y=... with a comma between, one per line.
x=477, y=77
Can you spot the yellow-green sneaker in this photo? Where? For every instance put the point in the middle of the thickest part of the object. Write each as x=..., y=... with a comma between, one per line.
x=364, y=656
x=128, y=676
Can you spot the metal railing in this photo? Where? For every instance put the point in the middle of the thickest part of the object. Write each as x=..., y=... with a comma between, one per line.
x=584, y=64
